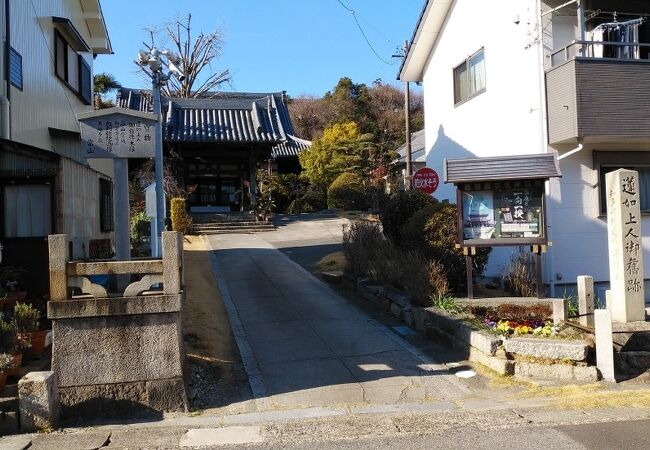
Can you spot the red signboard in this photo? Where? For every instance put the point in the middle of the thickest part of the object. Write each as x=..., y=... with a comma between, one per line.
x=426, y=180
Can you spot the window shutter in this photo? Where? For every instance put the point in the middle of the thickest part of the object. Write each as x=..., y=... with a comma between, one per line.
x=15, y=68
x=85, y=81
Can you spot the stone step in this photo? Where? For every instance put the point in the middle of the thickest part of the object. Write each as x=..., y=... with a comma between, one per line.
x=226, y=224
x=237, y=231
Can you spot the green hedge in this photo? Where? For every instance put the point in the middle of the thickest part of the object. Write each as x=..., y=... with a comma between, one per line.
x=400, y=207
x=347, y=192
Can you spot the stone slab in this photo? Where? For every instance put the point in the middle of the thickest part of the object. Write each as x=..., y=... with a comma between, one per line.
x=167, y=395
x=203, y=437
x=496, y=301
x=38, y=401
x=116, y=349
x=500, y=366
x=16, y=442
x=121, y=306
x=547, y=348
x=400, y=298
x=85, y=440
x=556, y=372
x=630, y=327
x=396, y=310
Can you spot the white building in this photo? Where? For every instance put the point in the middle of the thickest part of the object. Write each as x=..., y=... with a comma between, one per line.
x=46, y=185
x=504, y=77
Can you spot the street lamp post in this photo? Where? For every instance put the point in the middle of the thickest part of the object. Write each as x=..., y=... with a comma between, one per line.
x=154, y=61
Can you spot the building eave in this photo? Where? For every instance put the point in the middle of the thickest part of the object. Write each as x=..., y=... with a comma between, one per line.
x=424, y=39
x=99, y=41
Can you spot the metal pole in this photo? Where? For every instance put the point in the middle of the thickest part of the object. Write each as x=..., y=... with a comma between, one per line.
x=407, y=114
x=121, y=215
x=581, y=26
x=158, y=160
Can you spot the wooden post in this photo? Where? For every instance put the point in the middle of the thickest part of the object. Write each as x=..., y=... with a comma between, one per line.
x=171, y=262
x=469, y=252
x=586, y=300
x=58, y=254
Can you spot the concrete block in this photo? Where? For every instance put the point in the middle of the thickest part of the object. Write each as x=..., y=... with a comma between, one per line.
x=485, y=342
x=555, y=371
x=58, y=260
x=104, y=401
x=116, y=349
x=167, y=395
x=398, y=297
x=171, y=251
x=395, y=310
x=604, y=344
x=38, y=401
x=409, y=318
x=586, y=300
x=121, y=306
x=560, y=310
x=500, y=366
x=547, y=348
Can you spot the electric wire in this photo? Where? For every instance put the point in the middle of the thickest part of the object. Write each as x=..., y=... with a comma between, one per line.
x=363, y=33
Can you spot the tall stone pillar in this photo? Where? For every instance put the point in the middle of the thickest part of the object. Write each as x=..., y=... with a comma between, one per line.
x=625, y=247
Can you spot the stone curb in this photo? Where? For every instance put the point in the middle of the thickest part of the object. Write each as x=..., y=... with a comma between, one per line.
x=537, y=348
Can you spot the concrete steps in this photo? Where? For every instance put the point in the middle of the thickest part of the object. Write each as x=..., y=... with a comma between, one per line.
x=228, y=224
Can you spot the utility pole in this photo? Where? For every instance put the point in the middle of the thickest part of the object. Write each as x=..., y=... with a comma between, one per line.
x=407, y=117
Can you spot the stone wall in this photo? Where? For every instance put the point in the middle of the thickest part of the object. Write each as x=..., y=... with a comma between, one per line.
x=118, y=355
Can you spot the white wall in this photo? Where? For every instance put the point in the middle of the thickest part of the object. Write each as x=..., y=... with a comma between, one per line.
x=44, y=101
x=507, y=118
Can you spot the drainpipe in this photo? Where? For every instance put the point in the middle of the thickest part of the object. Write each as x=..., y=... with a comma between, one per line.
x=5, y=111
x=581, y=26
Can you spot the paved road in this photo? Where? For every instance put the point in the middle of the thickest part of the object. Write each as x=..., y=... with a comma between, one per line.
x=305, y=346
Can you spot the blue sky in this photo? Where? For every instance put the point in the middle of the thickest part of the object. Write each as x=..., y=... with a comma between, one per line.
x=301, y=46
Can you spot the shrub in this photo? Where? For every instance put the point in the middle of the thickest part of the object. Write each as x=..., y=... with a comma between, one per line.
x=400, y=207
x=7, y=337
x=181, y=220
x=518, y=277
x=347, y=192
x=286, y=188
x=433, y=231
x=314, y=199
x=25, y=318
x=369, y=254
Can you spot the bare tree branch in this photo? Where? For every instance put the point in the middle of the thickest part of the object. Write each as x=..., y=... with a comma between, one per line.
x=196, y=54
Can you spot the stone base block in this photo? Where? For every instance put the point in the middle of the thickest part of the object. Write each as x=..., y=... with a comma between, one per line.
x=123, y=399
x=547, y=348
x=556, y=371
x=500, y=366
x=395, y=310
x=38, y=401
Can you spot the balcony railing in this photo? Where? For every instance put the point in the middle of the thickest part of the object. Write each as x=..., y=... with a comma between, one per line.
x=587, y=49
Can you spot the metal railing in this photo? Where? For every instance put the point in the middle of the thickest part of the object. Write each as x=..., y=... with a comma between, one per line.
x=587, y=49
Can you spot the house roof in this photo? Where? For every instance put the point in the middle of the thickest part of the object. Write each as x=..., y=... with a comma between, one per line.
x=99, y=42
x=520, y=167
x=228, y=117
x=418, y=151
x=429, y=26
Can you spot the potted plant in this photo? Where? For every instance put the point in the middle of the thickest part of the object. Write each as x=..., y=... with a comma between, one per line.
x=6, y=362
x=10, y=285
x=26, y=324
x=8, y=346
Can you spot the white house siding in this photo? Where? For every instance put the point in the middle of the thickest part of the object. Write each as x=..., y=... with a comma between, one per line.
x=80, y=208
x=45, y=101
x=504, y=120
x=579, y=232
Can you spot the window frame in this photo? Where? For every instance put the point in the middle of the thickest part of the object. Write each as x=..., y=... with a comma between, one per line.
x=615, y=159
x=81, y=63
x=468, y=79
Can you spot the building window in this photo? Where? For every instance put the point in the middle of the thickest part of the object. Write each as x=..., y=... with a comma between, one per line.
x=469, y=78
x=15, y=68
x=105, y=205
x=27, y=210
x=71, y=68
x=607, y=162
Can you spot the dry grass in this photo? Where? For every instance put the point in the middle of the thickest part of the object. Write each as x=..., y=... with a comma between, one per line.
x=332, y=262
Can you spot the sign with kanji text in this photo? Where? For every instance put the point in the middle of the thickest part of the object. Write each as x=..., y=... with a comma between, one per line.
x=425, y=180
x=117, y=133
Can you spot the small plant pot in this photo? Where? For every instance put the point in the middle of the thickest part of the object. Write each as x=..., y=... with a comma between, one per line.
x=38, y=342
x=3, y=379
x=15, y=370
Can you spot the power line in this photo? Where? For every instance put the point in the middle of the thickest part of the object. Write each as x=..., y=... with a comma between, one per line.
x=363, y=33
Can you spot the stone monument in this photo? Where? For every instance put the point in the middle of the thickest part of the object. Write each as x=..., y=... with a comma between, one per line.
x=625, y=247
